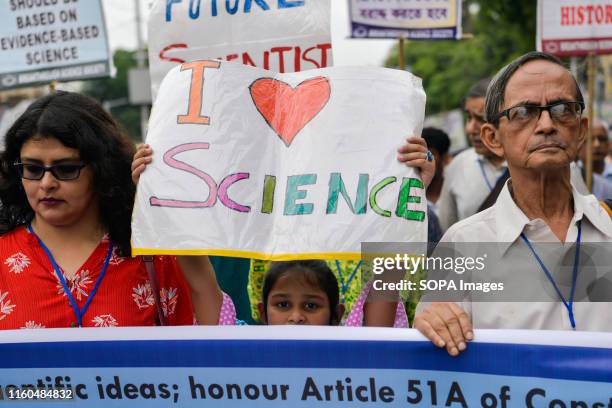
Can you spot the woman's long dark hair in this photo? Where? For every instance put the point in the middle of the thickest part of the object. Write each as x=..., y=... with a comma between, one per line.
x=78, y=122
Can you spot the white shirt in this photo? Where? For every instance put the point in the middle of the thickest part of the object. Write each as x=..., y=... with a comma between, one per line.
x=468, y=180
x=607, y=173
x=503, y=223
x=602, y=187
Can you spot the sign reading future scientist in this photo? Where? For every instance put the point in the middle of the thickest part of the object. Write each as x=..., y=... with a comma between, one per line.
x=47, y=40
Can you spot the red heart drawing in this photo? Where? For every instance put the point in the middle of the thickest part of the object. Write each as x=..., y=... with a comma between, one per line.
x=287, y=110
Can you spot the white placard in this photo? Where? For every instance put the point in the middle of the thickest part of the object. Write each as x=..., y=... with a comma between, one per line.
x=574, y=27
x=280, y=35
x=47, y=40
x=412, y=19
x=254, y=164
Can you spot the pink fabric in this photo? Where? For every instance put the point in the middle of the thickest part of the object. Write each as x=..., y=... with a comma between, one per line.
x=355, y=317
x=227, y=315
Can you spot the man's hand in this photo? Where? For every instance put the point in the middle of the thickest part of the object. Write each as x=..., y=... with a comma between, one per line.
x=446, y=325
x=414, y=154
x=142, y=157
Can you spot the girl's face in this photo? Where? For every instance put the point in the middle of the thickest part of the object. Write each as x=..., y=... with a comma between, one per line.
x=292, y=300
x=54, y=201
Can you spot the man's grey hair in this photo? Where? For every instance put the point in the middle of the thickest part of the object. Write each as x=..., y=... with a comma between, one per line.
x=479, y=89
x=494, y=99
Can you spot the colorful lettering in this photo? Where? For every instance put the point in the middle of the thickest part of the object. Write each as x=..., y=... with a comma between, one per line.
x=177, y=164
x=336, y=187
x=374, y=192
x=162, y=53
x=193, y=14
x=194, y=111
x=169, y=4
x=405, y=198
x=267, y=203
x=260, y=3
x=232, y=10
x=293, y=194
x=224, y=198
x=290, y=3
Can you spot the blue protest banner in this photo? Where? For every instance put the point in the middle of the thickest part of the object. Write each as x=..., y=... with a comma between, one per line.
x=302, y=367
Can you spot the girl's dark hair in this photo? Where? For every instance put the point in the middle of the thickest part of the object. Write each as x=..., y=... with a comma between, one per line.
x=78, y=122
x=315, y=272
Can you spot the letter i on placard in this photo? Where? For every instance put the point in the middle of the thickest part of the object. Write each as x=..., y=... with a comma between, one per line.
x=194, y=111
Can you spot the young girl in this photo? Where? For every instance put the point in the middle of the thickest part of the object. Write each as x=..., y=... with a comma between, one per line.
x=307, y=293
x=300, y=292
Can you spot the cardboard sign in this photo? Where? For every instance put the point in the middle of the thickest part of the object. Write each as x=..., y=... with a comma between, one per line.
x=574, y=27
x=280, y=35
x=415, y=20
x=43, y=41
x=249, y=163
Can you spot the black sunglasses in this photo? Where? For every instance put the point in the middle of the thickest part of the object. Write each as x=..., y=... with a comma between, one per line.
x=64, y=171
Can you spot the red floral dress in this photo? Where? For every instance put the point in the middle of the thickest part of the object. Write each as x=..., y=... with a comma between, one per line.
x=31, y=295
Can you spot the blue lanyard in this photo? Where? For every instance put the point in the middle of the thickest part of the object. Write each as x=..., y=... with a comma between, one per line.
x=350, y=278
x=484, y=175
x=568, y=305
x=78, y=312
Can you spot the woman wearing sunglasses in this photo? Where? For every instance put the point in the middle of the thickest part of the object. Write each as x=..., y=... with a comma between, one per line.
x=67, y=197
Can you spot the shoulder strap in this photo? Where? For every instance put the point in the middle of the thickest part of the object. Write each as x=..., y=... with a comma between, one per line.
x=497, y=188
x=150, y=267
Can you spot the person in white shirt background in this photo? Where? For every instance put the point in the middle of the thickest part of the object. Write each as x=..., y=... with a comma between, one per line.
x=473, y=173
x=602, y=159
x=534, y=119
x=602, y=187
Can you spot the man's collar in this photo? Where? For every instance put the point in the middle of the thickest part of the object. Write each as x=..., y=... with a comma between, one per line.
x=510, y=220
x=593, y=211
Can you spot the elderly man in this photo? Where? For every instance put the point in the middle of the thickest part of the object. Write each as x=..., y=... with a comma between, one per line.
x=472, y=174
x=534, y=119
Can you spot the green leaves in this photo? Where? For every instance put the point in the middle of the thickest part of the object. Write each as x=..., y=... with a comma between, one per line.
x=502, y=31
x=114, y=89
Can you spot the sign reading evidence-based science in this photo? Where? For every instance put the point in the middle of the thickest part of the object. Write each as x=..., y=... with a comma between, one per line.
x=412, y=19
x=280, y=35
x=47, y=40
x=255, y=164
x=574, y=27
x=237, y=367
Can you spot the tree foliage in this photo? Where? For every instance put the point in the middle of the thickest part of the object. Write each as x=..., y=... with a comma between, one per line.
x=114, y=89
x=502, y=31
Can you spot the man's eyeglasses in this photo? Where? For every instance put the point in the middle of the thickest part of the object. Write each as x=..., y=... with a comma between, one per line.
x=64, y=171
x=561, y=112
